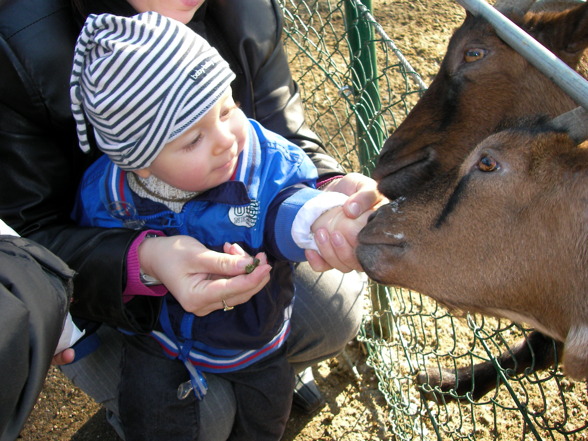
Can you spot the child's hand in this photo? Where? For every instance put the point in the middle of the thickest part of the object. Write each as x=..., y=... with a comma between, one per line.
x=336, y=237
x=363, y=198
x=64, y=357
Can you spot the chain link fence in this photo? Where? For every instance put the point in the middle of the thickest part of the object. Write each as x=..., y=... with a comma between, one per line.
x=357, y=87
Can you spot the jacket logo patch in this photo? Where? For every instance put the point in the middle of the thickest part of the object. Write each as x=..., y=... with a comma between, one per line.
x=245, y=216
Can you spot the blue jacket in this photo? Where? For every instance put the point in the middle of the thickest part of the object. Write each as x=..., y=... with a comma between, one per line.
x=255, y=209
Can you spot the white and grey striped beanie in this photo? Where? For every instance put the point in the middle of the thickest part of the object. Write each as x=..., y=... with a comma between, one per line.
x=141, y=81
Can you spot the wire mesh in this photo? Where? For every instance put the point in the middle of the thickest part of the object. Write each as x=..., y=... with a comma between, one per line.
x=405, y=333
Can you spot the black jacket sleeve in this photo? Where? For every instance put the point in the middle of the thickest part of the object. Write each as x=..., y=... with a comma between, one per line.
x=42, y=164
x=35, y=291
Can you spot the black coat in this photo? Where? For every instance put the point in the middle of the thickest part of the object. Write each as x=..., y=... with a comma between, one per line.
x=42, y=164
x=35, y=289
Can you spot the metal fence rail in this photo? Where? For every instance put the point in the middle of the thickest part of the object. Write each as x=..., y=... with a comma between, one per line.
x=357, y=87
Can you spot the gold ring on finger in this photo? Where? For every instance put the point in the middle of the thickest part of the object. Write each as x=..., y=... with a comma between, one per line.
x=226, y=307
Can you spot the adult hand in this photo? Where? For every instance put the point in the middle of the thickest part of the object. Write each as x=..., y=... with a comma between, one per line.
x=362, y=191
x=199, y=278
x=335, y=249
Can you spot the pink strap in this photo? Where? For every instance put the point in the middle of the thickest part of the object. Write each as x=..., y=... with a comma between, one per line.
x=321, y=184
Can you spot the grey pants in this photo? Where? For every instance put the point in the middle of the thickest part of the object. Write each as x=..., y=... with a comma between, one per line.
x=327, y=314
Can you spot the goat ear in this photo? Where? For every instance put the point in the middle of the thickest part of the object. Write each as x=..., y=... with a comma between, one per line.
x=575, y=122
x=516, y=6
x=554, y=5
x=575, y=358
x=578, y=38
x=565, y=33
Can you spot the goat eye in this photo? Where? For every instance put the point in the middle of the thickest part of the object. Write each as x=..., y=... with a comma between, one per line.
x=487, y=164
x=474, y=54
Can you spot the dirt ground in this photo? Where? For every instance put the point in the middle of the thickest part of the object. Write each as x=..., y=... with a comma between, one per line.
x=355, y=410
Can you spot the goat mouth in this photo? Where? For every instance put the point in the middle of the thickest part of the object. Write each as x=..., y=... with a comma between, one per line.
x=381, y=248
x=382, y=231
x=377, y=260
x=380, y=253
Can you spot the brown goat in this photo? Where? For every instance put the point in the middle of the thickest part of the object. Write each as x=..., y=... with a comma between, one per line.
x=482, y=84
x=507, y=235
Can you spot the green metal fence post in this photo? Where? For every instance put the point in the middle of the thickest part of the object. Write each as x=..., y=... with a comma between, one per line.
x=367, y=104
x=370, y=125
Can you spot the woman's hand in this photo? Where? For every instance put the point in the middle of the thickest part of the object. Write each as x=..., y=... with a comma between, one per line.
x=362, y=191
x=199, y=278
x=337, y=250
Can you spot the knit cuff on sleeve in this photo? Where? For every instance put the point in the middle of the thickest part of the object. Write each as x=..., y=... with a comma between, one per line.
x=134, y=285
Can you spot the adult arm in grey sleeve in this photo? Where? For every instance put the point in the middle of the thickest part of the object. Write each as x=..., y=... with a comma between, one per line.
x=35, y=293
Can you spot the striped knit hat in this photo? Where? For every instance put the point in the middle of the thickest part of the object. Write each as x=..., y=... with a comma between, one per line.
x=140, y=82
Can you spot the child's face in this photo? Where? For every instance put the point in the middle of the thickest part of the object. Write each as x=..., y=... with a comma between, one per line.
x=206, y=154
